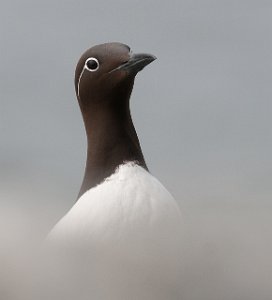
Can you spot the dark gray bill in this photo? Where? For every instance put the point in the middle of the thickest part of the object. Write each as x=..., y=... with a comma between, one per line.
x=136, y=63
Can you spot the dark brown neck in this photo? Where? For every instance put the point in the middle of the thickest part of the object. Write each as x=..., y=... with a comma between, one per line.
x=112, y=140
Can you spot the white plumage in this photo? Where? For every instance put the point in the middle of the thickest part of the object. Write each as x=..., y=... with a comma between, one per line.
x=129, y=227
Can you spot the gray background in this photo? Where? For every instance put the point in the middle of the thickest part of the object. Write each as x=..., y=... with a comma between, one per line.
x=202, y=112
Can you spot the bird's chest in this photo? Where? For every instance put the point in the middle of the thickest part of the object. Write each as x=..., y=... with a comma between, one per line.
x=132, y=210
x=111, y=215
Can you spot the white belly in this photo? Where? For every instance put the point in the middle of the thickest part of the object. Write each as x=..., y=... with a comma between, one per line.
x=131, y=226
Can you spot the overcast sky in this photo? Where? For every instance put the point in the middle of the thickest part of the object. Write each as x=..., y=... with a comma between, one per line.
x=202, y=110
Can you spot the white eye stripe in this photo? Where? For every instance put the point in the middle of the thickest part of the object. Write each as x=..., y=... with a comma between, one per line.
x=79, y=81
x=91, y=65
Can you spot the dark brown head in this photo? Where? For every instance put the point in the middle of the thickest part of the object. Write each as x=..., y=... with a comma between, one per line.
x=104, y=80
x=106, y=72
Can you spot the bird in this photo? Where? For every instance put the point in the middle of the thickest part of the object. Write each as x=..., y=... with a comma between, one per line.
x=124, y=220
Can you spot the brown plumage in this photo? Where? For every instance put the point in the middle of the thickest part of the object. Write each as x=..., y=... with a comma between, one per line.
x=104, y=80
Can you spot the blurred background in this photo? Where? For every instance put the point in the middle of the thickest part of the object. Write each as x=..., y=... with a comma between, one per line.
x=202, y=112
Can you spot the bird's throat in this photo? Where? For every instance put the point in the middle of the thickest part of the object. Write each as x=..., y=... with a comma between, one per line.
x=112, y=140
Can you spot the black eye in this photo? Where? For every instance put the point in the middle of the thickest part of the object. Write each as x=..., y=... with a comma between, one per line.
x=92, y=64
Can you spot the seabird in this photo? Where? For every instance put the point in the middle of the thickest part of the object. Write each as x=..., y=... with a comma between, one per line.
x=124, y=218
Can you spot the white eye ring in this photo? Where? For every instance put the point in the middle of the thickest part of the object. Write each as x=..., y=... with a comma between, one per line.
x=91, y=64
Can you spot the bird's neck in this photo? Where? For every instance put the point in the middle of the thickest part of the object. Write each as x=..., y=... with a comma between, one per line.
x=112, y=140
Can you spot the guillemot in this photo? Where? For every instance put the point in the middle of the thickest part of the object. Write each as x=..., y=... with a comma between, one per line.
x=123, y=216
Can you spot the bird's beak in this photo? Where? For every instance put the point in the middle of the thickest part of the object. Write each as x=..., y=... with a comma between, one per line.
x=136, y=63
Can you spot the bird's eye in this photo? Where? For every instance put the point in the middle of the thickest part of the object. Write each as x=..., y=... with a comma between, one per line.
x=92, y=64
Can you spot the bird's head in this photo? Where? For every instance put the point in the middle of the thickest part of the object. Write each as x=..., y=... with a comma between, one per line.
x=106, y=72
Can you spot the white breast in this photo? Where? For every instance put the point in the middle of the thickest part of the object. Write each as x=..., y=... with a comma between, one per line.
x=129, y=221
